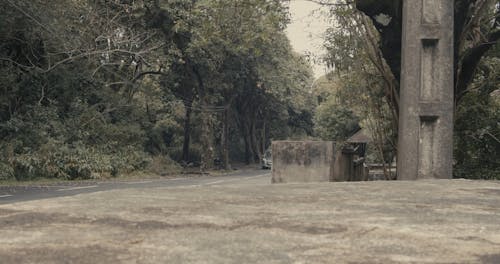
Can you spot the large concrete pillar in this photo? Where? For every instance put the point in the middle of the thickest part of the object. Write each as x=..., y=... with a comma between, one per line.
x=425, y=146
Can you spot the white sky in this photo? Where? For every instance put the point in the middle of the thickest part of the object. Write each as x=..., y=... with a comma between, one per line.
x=306, y=30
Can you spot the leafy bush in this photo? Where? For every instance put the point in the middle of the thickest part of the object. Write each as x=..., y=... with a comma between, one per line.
x=194, y=153
x=56, y=160
x=81, y=144
x=477, y=124
x=163, y=165
x=477, y=133
x=334, y=121
x=6, y=171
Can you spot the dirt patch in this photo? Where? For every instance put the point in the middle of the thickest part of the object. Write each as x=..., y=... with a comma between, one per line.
x=477, y=239
x=151, y=224
x=35, y=219
x=260, y=200
x=487, y=259
x=489, y=191
x=311, y=230
x=289, y=227
x=6, y=211
x=155, y=211
x=38, y=219
x=147, y=225
x=262, y=224
x=87, y=254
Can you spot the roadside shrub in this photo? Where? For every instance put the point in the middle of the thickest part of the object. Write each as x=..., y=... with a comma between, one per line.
x=477, y=133
x=164, y=165
x=334, y=121
x=82, y=143
x=77, y=161
x=194, y=153
x=6, y=171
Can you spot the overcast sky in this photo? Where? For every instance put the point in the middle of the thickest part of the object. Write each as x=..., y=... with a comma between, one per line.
x=306, y=30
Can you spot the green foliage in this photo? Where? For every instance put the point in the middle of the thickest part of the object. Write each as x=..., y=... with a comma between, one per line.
x=163, y=165
x=360, y=78
x=335, y=122
x=94, y=89
x=44, y=145
x=6, y=171
x=54, y=160
x=477, y=125
x=238, y=53
x=477, y=139
x=70, y=106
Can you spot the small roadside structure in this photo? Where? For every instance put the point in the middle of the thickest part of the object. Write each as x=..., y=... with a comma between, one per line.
x=354, y=156
x=303, y=161
x=320, y=161
x=360, y=141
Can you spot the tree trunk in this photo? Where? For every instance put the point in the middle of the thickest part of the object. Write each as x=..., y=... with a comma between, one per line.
x=263, y=137
x=187, y=132
x=207, y=151
x=254, y=143
x=225, y=140
x=248, y=144
x=206, y=129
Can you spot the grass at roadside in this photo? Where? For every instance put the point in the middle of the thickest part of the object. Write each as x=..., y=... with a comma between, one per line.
x=138, y=175
x=157, y=171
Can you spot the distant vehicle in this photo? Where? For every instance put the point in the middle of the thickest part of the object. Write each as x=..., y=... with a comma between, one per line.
x=267, y=160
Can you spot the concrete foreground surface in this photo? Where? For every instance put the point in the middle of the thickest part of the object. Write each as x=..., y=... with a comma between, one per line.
x=441, y=221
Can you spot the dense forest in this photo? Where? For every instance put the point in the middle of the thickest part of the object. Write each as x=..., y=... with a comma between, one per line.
x=93, y=89
x=98, y=88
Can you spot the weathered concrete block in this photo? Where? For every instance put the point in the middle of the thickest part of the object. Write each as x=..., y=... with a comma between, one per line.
x=303, y=161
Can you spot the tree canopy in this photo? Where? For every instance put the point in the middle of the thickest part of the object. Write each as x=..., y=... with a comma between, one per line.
x=98, y=88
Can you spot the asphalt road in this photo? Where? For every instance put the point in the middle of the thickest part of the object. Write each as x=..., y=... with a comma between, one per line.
x=12, y=194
